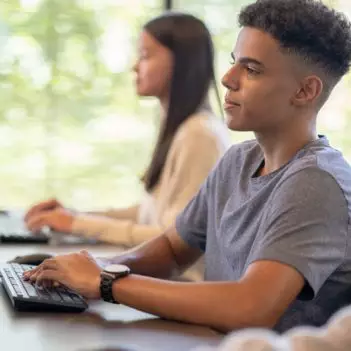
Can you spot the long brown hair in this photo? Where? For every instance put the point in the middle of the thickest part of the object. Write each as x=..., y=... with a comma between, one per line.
x=193, y=73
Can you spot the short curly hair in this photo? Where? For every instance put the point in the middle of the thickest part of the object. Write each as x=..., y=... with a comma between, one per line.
x=319, y=35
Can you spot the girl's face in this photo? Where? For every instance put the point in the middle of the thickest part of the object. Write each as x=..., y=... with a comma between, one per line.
x=153, y=68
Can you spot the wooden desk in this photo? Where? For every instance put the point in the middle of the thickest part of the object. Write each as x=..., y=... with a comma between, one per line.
x=102, y=326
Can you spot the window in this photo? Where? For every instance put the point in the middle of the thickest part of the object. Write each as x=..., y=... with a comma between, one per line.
x=70, y=123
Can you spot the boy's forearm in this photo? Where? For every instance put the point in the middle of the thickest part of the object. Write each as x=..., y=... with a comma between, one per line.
x=207, y=304
x=154, y=258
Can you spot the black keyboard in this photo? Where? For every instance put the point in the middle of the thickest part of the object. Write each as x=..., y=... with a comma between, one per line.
x=23, y=237
x=25, y=296
x=13, y=230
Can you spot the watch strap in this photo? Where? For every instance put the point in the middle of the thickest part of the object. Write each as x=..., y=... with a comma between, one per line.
x=106, y=283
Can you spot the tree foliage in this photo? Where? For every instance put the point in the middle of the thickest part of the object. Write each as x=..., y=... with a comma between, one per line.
x=70, y=123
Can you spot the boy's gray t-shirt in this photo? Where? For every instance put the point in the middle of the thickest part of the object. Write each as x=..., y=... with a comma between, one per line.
x=298, y=215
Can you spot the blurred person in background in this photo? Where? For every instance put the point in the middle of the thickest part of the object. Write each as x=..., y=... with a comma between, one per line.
x=333, y=336
x=176, y=65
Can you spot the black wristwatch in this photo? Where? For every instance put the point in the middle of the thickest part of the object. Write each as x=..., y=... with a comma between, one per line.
x=109, y=275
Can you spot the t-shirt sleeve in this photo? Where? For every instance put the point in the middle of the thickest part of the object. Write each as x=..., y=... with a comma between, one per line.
x=191, y=223
x=307, y=227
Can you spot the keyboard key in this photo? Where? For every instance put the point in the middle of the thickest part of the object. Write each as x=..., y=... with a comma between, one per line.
x=30, y=289
x=18, y=290
x=8, y=273
x=17, y=268
x=78, y=300
x=42, y=293
x=54, y=295
x=66, y=298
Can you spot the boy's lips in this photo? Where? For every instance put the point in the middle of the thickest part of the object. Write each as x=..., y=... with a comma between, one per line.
x=228, y=104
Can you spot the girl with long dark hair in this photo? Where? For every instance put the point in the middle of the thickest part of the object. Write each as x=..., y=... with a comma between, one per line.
x=176, y=65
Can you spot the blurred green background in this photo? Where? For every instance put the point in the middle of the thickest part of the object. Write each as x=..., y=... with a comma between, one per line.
x=71, y=125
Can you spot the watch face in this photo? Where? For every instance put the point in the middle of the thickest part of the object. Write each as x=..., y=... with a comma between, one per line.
x=117, y=268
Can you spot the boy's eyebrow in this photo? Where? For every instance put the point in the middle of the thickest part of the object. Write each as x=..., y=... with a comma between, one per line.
x=246, y=60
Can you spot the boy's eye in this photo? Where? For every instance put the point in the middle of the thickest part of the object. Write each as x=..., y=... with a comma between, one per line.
x=252, y=71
